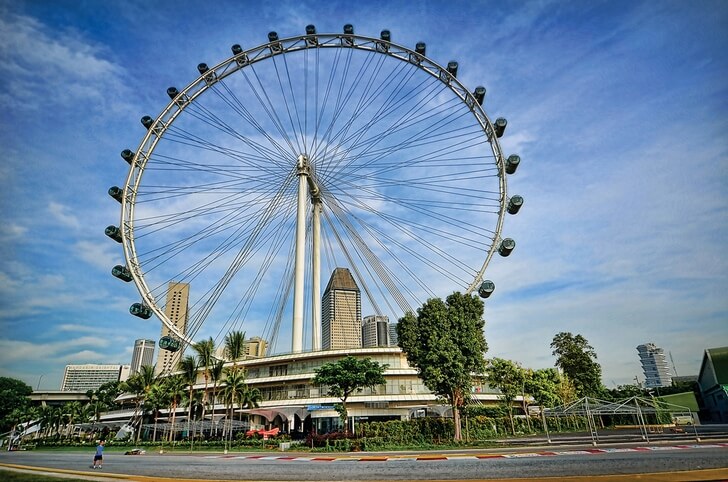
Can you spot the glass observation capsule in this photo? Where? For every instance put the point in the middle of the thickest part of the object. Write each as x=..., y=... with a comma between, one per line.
x=116, y=192
x=169, y=343
x=506, y=246
x=114, y=233
x=121, y=272
x=512, y=163
x=140, y=310
x=514, y=204
x=486, y=288
x=500, y=126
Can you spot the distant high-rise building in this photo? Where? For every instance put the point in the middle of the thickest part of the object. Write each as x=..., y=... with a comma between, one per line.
x=255, y=347
x=178, y=296
x=375, y=331
x=393, y=338
x=143, y=354
x=341, y=312
x=90, y=376
x=655, y=366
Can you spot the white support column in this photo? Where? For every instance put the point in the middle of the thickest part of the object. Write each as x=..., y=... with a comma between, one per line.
x=297, y=335
x=316, y=284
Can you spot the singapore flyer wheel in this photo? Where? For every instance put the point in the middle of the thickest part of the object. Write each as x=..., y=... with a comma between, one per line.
x=401, y=164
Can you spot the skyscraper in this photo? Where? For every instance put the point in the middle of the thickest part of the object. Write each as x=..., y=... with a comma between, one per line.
x=655, y=366
x=178, y=296
x=143, y=354
x=255, y=347
x=341, y=312
x=375, y=331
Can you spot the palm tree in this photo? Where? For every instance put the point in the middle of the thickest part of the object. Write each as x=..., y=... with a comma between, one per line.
x=233, y=391
x=71, y=411
x=216, y=372
x=175, y=390
x=235, y=347
x=188, y=367
x=139, y=384
x=156, y=399
x=205, y=358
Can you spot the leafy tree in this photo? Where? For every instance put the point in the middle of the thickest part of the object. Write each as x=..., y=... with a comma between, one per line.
x=13, y=394
x=347, y=376
x=445, y=342
x=508, y=377
x=577, y=360
x=233, y=392
x=543, y=386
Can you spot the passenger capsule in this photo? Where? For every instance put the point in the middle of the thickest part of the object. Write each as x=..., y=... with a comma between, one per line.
x=116, y=192
x=514, y=204
x=310, y=30
x=140, y=310
x=420, y=48
x=202, y=68
x=386, y=35
x=479, y=94
x=127, y=155
x=169, y=343
x=172, y=92
x=114, y=233
x=349, y=29
x=512, y=163
x=121, y=272
x=486, y=288
x=272, y=36
x=147, y=121
x=237, y=49
x=500, y=126
x=452, y=67
x=506, y=246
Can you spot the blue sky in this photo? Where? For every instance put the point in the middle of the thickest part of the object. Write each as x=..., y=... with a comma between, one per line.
x=617, y=109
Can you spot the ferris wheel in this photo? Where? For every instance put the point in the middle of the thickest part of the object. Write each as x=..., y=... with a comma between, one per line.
x=304, y=154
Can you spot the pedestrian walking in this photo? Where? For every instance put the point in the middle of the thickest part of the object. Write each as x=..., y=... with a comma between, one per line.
x=99, y=456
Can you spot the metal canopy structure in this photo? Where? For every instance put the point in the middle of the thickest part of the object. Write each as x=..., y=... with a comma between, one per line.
x=642, y=409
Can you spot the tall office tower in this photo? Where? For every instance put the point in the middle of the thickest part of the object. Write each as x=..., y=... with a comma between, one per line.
x=90, y=376
x=143, y=354
x=255, y=347
x=375, y=331
x=393, y=338
x=341, y=312
x=178, y=296
x=655, y=366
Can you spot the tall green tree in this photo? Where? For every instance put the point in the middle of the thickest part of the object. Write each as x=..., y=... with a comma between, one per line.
x=444, y=341
x=174, y=388
x=349, y=375
x=509, y=378
x=205, y=350
x=578, y=361
x=543, y=386
x=188, y=367
x=235, y=347
x=216, y=374
x=233, y=393
x=13, y=394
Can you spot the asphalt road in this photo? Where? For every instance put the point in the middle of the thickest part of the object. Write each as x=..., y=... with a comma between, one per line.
x=532, y=463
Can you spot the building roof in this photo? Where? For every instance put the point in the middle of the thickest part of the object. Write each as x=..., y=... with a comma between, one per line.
x=341, y=280
x=714, y=369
